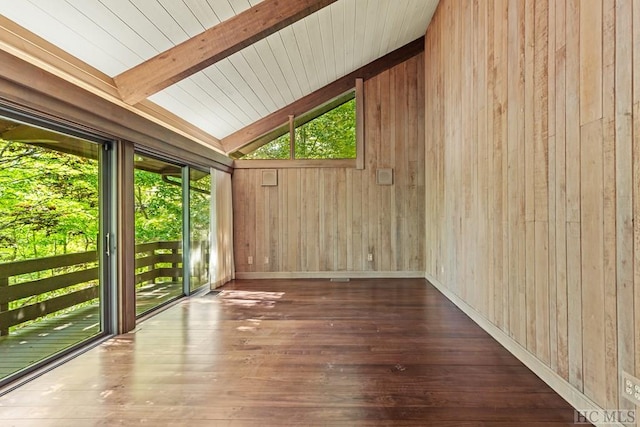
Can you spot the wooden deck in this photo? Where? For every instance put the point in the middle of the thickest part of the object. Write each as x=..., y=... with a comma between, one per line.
x=308, y=353
x=154, y=295
x=39, y=340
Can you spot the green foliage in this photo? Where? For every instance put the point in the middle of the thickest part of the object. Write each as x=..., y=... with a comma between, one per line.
x=199, y=211
x=278, y=149
x=329, y=136
x=48, y=202
x=200, y=207
x=49, y=205
x=158, y=207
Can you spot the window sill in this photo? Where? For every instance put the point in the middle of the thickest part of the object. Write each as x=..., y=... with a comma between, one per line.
x=288, y=164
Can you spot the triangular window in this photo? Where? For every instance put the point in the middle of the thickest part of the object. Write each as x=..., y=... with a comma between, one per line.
x=325, y=133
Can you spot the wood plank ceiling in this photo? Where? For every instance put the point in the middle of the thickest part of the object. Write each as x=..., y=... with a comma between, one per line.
x=114, y=36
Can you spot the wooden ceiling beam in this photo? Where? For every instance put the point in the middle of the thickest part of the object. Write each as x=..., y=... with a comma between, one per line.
x=211, y=46
x=246, y=135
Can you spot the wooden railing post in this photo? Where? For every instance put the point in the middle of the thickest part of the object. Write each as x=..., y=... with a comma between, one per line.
x=4, y=303
x=153, y=266
x=174, y=265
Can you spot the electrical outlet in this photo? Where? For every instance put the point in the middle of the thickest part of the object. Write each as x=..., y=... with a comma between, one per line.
x=266, y=260
x=370, y=257
x=250, y=260
x=631, y=387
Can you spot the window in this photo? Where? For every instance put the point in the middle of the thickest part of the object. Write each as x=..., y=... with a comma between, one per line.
x=329, y=136
x=325, y=133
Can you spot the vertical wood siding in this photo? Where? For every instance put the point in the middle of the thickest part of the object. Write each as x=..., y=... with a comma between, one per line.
x=533, y=177
x=329, y=219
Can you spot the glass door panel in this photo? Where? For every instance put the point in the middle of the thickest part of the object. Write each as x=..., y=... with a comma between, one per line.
x=199, y=225
x=158, y=232
x=50, y=262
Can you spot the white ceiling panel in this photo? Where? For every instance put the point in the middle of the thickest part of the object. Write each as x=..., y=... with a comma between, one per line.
x=287, y=67
x=338, y=36
x=203, y=12
x=115, y=35
x=281, y=92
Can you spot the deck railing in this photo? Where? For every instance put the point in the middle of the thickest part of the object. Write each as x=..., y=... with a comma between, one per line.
x=73, y=280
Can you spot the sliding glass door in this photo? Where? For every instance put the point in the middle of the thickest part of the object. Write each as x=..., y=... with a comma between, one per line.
x=57, y=251
x=158, y=232
x=52, y=254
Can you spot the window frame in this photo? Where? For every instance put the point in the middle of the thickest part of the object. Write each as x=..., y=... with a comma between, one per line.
x=294, y=122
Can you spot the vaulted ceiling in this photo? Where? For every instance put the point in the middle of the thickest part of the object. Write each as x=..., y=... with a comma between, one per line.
x=243, y=59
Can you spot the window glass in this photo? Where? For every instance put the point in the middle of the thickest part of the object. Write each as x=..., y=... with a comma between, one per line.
x=329, y=136
x=158, y=232
x=50, y=263
x=328, y=132
x=200, y=223
x=277, y=149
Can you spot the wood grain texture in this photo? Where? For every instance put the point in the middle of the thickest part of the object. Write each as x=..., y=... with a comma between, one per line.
x=635, y=116
x=560, y=183
x=590, y=61
x=529, y=174
x=211, y=46
x=515, y=182
x=366, y=353
x=556, y=254
x=624, y=162
x=126, y=273
x=592, y=230
x=335, y=217
x=609, y=204
x=572, y=174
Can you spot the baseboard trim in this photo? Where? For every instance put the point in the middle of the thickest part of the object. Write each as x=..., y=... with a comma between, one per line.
x=250, y=275
x=552, y=379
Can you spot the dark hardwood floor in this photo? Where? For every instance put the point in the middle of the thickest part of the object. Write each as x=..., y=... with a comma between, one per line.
x=309, y=353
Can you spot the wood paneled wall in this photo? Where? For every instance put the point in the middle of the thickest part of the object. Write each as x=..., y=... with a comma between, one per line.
x=533, y=177
x=330, y=219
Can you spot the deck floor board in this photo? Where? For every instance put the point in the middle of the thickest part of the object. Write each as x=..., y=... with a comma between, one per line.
x=44, y=338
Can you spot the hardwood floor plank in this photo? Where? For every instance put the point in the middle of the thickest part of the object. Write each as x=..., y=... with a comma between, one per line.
x=294, y=352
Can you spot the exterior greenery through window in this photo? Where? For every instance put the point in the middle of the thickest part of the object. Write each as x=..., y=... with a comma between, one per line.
x=331, y=135
x=48, y=201
x=49, y=232
x=200, y=227
x=158, y=232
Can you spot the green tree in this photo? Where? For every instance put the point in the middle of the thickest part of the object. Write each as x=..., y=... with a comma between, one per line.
x=278, y=149
x=331, y=135
x=158, y=207
x=48, y=202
